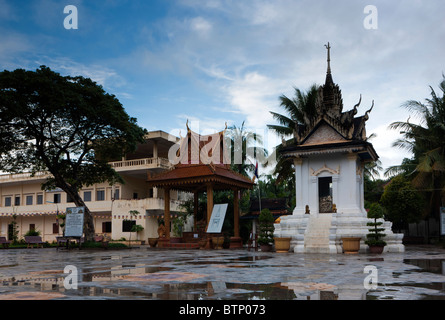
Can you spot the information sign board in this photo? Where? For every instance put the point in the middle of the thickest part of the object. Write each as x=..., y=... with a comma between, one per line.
x=74, y=222
x=217, y=218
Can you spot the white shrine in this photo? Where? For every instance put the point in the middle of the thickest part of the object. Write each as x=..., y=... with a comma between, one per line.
x=329, y=153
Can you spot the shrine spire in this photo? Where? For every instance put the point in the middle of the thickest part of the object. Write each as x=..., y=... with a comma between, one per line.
x=328, y=47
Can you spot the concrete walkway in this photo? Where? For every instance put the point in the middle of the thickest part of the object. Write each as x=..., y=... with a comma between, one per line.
x=146, y=273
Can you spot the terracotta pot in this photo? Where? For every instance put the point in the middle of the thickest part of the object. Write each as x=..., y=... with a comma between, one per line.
x=266, y=247
x=351, y=245
x=376, y=249
x=217, y=242
x=152, y=242
x=282, y=244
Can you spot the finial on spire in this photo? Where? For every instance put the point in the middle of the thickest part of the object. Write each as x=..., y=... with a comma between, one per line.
x=328, y=47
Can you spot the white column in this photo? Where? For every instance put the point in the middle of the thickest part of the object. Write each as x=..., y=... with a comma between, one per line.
x=335, y=198
x=155, y=149
x=300, y=206
x=353, y=196
x=313, y=196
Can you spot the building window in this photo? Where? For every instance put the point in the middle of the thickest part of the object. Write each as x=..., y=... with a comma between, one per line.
x=40, y=199
x=29, y=200
x=55, y=228
x=127, y=225
x=116, y=194
x=100, y=195
x=57, y=198
x=150, y=193
x=87, y=196
x=17, y=200
x=106, y=227
x=68, y=198
x=32, y=227
x=7, y=201
x=135, y=196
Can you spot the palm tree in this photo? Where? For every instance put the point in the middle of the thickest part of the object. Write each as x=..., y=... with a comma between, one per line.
x=372, y=169
x=246, y=149
x=426, y=141
x=298, y=110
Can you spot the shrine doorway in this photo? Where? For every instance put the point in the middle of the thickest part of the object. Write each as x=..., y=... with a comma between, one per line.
x=325, y=195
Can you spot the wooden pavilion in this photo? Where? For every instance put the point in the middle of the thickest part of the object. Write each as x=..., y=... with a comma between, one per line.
x=202, y=164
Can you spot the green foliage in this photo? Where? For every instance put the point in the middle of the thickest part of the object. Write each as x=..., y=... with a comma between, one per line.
x=179, y=223
x=266, y=227
x=33, y=233
x=298, y=110
x=374, y=238
x=425, y=139
x=137, y=228
x=15, y=230
x=67, y=126
x=245, y=144
x=403, y=203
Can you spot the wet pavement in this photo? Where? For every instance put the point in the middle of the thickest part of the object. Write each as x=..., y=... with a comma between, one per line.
x=147, y=273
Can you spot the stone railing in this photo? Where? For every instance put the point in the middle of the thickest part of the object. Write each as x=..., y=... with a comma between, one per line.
x=23, y=176
x=147, y=162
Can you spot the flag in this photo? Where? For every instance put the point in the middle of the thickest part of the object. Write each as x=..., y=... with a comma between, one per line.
x=256, y=170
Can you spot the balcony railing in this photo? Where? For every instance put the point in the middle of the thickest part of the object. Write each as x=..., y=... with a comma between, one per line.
x=146, y=163
x=23, y=176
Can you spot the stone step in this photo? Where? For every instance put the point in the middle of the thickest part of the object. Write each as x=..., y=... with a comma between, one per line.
x=317, y=234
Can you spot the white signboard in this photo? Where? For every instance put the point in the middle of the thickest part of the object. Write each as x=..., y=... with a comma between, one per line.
x=74, y=222
x=217, y=218
x=442, y=221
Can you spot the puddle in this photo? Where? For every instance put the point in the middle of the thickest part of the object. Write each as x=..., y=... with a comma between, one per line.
x=427, y=265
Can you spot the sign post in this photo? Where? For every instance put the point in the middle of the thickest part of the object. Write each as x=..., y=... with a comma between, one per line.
x=442, y=221
x=74, y=223
x=216, y=223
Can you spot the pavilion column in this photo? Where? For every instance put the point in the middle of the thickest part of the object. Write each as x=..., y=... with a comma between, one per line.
x=209, y=203
x=195, y=209
x=167, y=212
x=236, y=212
x=236, y=241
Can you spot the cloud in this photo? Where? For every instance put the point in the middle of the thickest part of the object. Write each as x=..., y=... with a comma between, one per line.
x=104, y=76
x=202, y=26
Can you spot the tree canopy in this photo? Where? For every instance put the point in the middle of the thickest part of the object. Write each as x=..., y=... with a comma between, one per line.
x=66, y=126
x=425, y=140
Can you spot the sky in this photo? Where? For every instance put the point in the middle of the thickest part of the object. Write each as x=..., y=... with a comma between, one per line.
x=216, y=62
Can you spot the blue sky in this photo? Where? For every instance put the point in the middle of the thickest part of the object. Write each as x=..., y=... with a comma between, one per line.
x=218, y=61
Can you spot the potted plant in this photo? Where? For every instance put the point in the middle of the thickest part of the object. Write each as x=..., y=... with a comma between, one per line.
x=61, y=221
x=133, y=214
x=177, y=224
x=265, y=237
x=374, y=239
x=137, y=228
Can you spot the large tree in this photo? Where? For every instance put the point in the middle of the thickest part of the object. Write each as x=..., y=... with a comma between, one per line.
x=66, y=126
x=426, y=141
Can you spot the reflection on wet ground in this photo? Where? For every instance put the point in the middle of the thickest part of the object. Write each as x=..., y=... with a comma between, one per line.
x=142, y=273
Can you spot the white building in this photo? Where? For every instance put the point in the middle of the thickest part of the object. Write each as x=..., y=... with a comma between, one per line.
x=34, y=209
x=329, y=155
